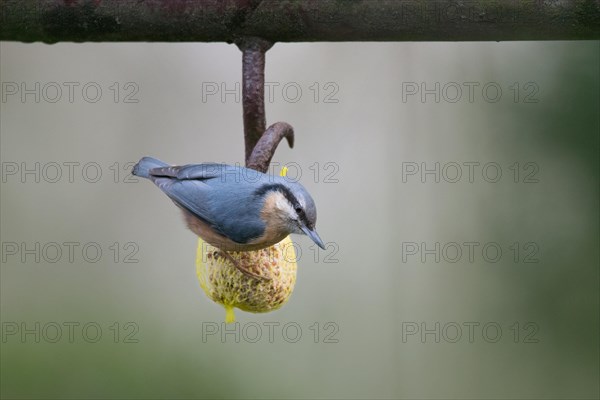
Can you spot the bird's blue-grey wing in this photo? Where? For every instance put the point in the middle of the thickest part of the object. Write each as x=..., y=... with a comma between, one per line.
x=186, y=186
x=238, y=211
x=230, y=210
x=192, y=195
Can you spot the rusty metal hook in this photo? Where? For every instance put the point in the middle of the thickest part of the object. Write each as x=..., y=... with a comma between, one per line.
x=265, y=147
x=260, y=144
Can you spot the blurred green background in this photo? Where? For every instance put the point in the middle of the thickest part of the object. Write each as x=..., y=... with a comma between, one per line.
x=376, y=294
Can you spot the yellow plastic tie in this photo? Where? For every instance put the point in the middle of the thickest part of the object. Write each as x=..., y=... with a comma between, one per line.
x=229, y=314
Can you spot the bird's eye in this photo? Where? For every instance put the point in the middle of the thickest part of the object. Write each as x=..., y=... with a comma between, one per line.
x=298, y=210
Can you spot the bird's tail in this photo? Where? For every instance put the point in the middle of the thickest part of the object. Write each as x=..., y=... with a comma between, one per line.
x=143, y=167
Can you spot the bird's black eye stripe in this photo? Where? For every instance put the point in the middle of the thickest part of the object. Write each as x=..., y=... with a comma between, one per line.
x=282, y=189
x=288, y=195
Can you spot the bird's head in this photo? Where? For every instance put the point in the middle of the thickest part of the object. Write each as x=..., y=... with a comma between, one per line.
x=292, y=206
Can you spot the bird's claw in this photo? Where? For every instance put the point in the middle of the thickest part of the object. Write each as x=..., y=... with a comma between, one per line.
x=243, y=270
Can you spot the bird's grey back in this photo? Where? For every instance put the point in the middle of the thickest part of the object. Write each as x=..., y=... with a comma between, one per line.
x=226, y=197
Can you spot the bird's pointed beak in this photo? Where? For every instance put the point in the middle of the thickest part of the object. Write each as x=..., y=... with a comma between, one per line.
x=314, y=236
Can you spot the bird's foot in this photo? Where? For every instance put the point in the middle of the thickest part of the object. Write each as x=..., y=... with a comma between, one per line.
x=242, y=270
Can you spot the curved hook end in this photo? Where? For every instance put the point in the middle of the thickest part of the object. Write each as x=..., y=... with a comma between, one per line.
x=265, y=147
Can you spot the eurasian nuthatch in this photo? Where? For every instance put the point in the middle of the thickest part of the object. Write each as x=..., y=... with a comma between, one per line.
x=235, y=208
